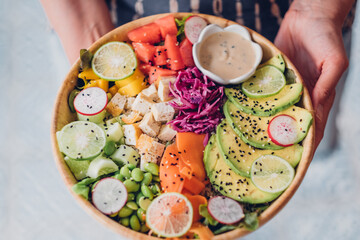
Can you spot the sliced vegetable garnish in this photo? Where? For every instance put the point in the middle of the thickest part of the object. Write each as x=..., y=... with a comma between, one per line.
x=170, y=215
x=114, y=61
x=82, y=140
x=90, y=101
x=283, y=130
x=225, y=210
x=193, y=27
x=271, y=173
x=265, y=82
x=109, y=195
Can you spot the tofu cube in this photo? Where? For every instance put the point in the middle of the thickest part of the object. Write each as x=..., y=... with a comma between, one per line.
x=166, y=133
x=116, y=105
x=142, y=104
x=131, y=133
x=151, y=93
x=149, y=126
x=163, y=88
x=144, y=143
x=153, y=155
x=162, y=112
x=129, y=102
x=131, y=117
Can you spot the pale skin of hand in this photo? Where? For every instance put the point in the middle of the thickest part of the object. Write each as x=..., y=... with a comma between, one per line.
x=310, y=35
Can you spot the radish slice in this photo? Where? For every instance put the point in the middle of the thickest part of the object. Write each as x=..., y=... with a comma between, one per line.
x=225, y=210
x=90, y=101
x=109, y=195
x=193, y=27
x=282, y=130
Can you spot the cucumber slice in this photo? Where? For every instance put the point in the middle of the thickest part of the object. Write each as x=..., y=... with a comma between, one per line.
x=98, y=118
x=109, y=195
x=114, y=132
x=126, y=155
x=81, y=140
x=265, y=82
x=78, y=168
x=276, y=61
x=271, y=174
x=101, y=166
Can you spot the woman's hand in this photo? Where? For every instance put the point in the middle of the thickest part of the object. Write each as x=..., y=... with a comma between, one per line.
x=310, y=35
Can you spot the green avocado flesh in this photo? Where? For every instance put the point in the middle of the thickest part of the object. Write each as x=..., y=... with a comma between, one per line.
x=239, y=155
x=268, y=106
x=253, y=129
x=276, y=61
x=227, y=182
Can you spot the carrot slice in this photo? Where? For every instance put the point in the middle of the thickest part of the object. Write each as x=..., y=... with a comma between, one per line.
x=144, y=51
x=196, y=201
x=192, y=150
x=186, y=53
x=202, y=231
x=185, y=170
x=160, y=56
x=167, y=25
x=156, y=72
x=193, y=185
x=149, y=33
x=170, y=178
x=173, y=53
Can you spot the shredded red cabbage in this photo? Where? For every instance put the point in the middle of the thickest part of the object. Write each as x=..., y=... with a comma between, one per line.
x=199, y=102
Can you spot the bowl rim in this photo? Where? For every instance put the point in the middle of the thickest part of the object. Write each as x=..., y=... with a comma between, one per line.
x=70, y=81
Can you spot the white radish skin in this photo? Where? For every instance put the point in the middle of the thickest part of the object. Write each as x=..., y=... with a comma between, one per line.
x=109, y=195
x=225, y=210
x=193, y=27
x=90, y=101
x=282, y=130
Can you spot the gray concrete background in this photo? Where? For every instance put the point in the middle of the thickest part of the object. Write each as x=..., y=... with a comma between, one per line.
x=34, y=203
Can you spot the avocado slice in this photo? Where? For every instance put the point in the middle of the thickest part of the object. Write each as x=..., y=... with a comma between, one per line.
x=276, y=61
x=253, y=129
x=227, y=182
x=239, y=155
x=268, y=106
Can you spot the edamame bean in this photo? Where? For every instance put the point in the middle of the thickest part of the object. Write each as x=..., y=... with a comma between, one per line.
x=130, y=166
x=138, y=196
x=132, y=205
x=109, y=148
x=147, y=179
x=125, y=221
x=156, y=178
x=119, y=177
x=144, y=228
x=131, y=185
x=155, y=188
x=131, y=197
x=141, y=214
x=147, y=192
x=144, y=203
x=125, y=212
x=137, y=174
x=125, y=171
x=152, y=168
x=134, y=223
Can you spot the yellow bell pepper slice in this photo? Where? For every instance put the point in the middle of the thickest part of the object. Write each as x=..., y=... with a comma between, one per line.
x=113, y=90
x=103, y=84
x=88, y=74
x=133, y=88
x=135, y=76
x=92, y=83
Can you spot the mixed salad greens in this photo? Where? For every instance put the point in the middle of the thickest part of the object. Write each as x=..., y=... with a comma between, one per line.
x=163, y=150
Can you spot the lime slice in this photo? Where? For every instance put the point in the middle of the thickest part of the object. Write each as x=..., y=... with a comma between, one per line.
x=271, y=173
x=114, y=61
x=265, y=82
x=170, y=215
x=81, y=140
